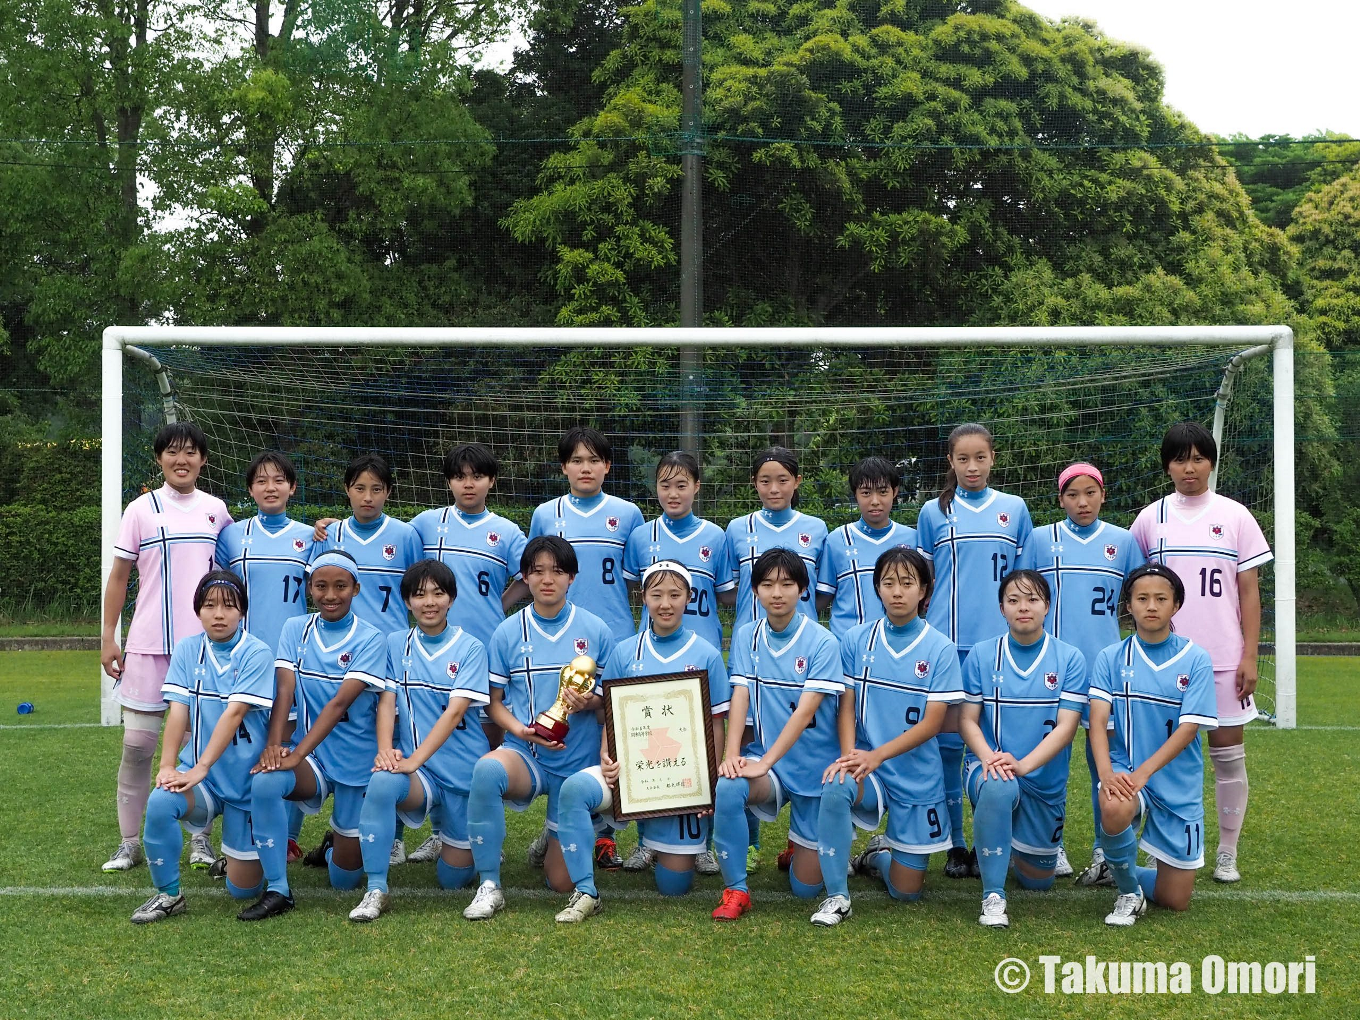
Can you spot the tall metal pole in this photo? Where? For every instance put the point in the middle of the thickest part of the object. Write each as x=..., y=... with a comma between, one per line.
x=691, y=224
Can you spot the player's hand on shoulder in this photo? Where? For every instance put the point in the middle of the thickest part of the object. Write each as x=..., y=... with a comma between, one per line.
x=319, y=529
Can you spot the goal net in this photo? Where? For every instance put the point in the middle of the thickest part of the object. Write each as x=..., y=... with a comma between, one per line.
x=833, y=396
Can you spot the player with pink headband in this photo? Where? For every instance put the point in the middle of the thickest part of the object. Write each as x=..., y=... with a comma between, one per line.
x=1084, y=560
x=1216, y=547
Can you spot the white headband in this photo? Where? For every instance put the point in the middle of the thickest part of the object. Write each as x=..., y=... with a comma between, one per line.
x=668, y=567
x=334, y=559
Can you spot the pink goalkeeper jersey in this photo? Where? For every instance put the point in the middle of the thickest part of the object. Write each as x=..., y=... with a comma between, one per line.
x=171, y=538
x=1207, y=540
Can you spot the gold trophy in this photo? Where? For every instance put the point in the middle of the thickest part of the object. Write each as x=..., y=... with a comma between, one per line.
x=578, y=675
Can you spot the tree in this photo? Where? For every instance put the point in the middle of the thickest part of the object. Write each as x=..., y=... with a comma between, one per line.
x=1277, y=171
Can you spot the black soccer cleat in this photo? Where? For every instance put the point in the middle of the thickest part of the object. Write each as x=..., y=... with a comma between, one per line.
x=956, y=862
x=271, y=904
x=316, y=857
x=974, y=870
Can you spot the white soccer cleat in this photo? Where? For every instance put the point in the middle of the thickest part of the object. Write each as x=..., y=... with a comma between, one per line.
x=488, y=900
x=1097, y=872
x=1225, y=867
x=994, y=912
x=201, y=853
x=640, y=859
x=398, y=855
x=1063, y=868
x=706, y=864
x=127, y=856
x=578, y=908
x=1128, y=907
x=427, y=851
x=158, y=908
x=372, y=906
x=538, y=849
x=833, y=911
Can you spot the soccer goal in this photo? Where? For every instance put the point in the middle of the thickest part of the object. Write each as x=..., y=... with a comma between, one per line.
x=833, y=395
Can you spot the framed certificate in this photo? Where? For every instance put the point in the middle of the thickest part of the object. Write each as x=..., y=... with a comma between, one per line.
x=660, y=731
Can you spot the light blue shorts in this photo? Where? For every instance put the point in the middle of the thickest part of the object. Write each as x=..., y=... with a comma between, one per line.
x=238, y=839
x=347, y=801
x=912, y=828
x=1036, y=824
x=445, y=807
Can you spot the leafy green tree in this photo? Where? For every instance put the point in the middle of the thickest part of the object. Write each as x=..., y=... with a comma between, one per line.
x=1277, y=170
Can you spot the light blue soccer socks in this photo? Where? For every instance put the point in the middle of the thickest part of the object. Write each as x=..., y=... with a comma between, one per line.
x=486, y=817
x=752, y=830
x=1095, y=783
x=1121, y=854
x=238, y=893
x=580, y=795
x=992, y=827
x=1045, y=863
x=951, y=754
x=451, y=877
x=295, y=817
x=163, y=838
x=1147, y=879
x=342, y=878
x=269, y=821
x=730, y=834
x=672, y=883
x=802, y=890
x=835, y=834
x=882, y=863
x=378, y=823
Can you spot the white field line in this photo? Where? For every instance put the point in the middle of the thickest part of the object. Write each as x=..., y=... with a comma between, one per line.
x=94, y=725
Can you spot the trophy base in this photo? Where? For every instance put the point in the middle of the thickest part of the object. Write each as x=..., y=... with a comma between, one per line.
x=551, y=729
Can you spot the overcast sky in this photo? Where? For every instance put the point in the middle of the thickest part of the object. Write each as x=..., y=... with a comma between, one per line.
x=1243, y=65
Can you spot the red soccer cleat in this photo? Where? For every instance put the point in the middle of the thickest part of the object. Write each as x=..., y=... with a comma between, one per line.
x=734, y=903
x=294, y=851
x=607, y=854
x=785, y=858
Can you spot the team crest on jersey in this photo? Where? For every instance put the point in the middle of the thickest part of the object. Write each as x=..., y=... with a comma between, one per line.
x=212, y=518
x=705, y=553
x=581, y=645
x=1003, y=519
x=345, y=659
x=1111, y=552
x=452, y=670
x=1051, y=681
x=493, y=538
x=691, y=669
x=612, y=523
x=1182, y=682
x=1216, y=530
x=922, y=669
x=804, y=539
x=389, y=552
x=299, y=545
x=800, y=664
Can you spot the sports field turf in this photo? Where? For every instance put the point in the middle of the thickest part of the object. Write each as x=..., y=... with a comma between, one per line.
x=69, y=951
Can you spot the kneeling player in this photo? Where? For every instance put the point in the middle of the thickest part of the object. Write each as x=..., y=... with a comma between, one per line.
x=435, y=674
x=1159, y=687
x=1025, y=691
x=787, y=669
x=220, y=686
x=904, y=671
x=334, y=664
x=665, y=645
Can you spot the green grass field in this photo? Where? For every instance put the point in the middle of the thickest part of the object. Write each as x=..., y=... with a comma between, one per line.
x=69, y=950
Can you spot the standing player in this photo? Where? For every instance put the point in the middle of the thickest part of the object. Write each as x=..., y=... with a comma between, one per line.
x=1217, y=548
x=973, y=535
x=672, y=844
x=1084, y=560
x=436, y=673
x=904, y=671
x=527, y=654
x=597, y=525
x=170, y=536
x=786, y=669
x=845, y=577
x=332, y=665
x=1025, y=691
x=1158, y=687
x=220, y=687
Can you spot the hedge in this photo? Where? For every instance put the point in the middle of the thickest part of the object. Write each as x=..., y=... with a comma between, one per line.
x=49, y=558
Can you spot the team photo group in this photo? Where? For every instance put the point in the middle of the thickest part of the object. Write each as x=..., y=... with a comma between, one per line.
x=404, y=672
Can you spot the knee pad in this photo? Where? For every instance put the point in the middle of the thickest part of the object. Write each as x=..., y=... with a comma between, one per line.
x=237, y=893
x=489, y=778
x=452, y=877
x=801, y=889
x=340, y=878
x=672, y=883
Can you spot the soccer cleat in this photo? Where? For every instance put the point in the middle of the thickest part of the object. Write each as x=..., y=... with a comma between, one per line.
x=127, y=856
x=398, y=855
x=607, y=854
x=488, y=900
x=158, y=908
x=1097, y=872
x=833, y=911
x=271, y=904
x=201, y=852
x=578, y=908
x=218, y=869
x=372, y=906
x=1225, y=867
x=733, y=904
x=956, y=862
x=974, y=868
x=752, y=859
x=427, y=851
x=1063, y=868
x=538, y=849
x=640, y=859
x=316, y=857
x=785, y=858
x=863, y=862
x=1128, y=907
x=994, y=912
x=294, y=851
x=706, y=864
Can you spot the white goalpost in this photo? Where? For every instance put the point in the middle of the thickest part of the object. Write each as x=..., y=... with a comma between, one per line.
x=830, y=391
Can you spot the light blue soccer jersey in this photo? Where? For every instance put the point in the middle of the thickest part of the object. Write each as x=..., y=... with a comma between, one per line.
x=483, y=551
x=1021, y=690
x=895, y=675
x=526, y=657
x=972, y=547
x=271, y=558
x=427, y=673
x=847, y=571
x=598, y=530
x=322, y=656
x=383, y=550
x=776, y=671
x=758, y=532
x=1151, y=690
x=702, y=547
x=206, y=677
x=1085, y=570
x=682, y=652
